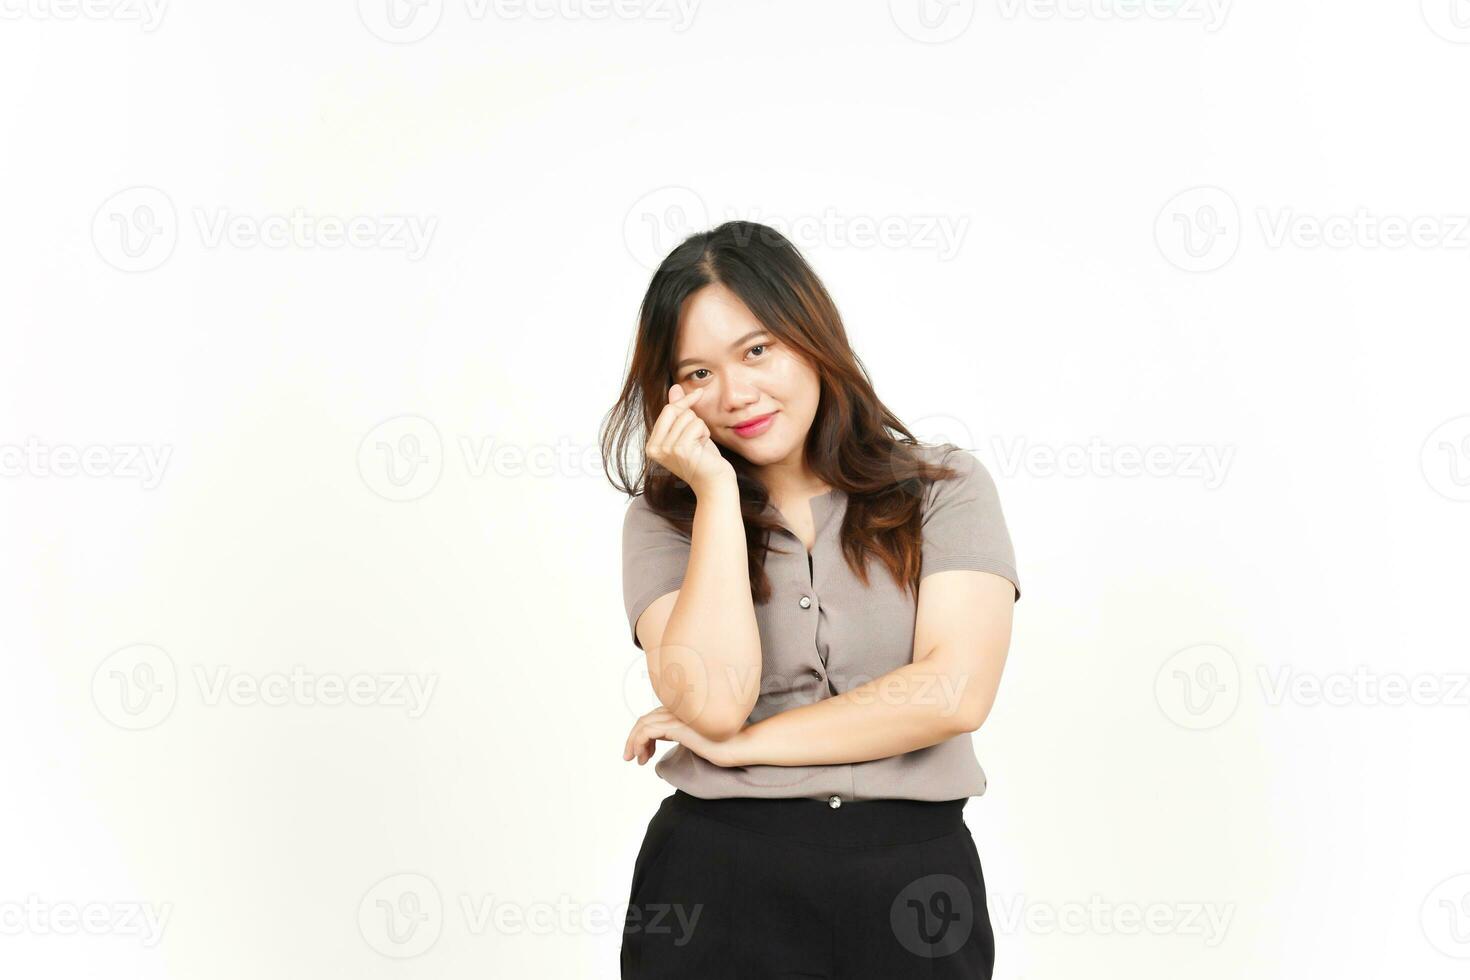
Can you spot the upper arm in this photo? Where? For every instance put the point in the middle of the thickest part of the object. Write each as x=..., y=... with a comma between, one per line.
x=655, y=557
x=968, y=586
x=648, y=628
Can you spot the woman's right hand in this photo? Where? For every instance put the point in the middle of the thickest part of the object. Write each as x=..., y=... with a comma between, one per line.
x=680, y=442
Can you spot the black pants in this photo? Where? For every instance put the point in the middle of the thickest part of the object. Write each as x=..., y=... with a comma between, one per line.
x=758, y=889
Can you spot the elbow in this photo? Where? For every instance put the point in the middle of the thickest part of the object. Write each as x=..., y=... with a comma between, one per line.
x=715, y=718
x=969, y=721
x=717, y=725
x=968, y=714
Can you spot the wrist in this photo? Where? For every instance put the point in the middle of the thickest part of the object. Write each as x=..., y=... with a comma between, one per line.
x=739, y=749
x=723, y=485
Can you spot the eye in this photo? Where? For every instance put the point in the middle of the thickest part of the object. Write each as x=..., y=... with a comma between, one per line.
x=759, y=347
x=691, y=374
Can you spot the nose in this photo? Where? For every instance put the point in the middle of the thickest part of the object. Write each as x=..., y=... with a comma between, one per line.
x=739, y=393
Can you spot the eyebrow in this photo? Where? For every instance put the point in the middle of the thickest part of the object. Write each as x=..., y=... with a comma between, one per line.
x=750, y=336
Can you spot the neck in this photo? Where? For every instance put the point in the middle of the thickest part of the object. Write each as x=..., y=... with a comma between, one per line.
x=791, y=478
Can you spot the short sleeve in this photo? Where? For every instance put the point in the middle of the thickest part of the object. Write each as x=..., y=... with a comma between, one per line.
x=963, y=523
x=655, y=556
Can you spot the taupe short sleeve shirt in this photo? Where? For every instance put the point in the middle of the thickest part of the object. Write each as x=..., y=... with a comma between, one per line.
x=823, y=632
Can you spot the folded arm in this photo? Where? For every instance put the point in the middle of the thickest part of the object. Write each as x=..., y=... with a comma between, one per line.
x=702, y=640
x=961, y=637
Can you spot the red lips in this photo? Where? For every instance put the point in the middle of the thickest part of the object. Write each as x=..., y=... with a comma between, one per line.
x=754, y=426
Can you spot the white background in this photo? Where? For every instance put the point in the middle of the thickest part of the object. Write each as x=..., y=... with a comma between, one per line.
x=1173, y=230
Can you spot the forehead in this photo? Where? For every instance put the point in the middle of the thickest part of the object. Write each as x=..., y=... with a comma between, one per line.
x=711, y=320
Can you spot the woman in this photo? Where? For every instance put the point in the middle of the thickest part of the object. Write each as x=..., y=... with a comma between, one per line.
x=825, y=607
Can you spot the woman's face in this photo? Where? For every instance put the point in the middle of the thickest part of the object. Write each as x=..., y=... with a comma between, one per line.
x=746, y=372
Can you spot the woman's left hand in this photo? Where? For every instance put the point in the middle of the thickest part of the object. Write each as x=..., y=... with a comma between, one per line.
x=661, y=723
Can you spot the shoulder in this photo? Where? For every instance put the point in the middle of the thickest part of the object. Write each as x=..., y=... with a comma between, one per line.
x=642, y=522
x=964, y=525
x=970, y=475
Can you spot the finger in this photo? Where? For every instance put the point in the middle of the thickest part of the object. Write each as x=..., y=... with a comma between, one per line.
x=636, y=736
x=677, y=393
x=676, y=437
x=697, y=433
x=661, y=425
x=692, y=442
x=652, y=735
x=667, y=416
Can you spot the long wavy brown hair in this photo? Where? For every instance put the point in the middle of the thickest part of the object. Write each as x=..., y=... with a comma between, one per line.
x=855, y=443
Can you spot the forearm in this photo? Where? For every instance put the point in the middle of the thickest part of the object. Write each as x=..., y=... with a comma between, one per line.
x=917, y=705
x=710, y=649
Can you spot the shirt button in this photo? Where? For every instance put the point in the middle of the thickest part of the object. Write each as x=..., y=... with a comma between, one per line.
x=834, y=801
x=806, y=602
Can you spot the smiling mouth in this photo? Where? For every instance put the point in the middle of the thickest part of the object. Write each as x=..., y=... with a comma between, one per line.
x=754, y=423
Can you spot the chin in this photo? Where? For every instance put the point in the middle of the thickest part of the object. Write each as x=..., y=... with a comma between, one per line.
x=765, y=455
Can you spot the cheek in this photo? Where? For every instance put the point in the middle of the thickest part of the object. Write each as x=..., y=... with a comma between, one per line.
x=796, y=383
